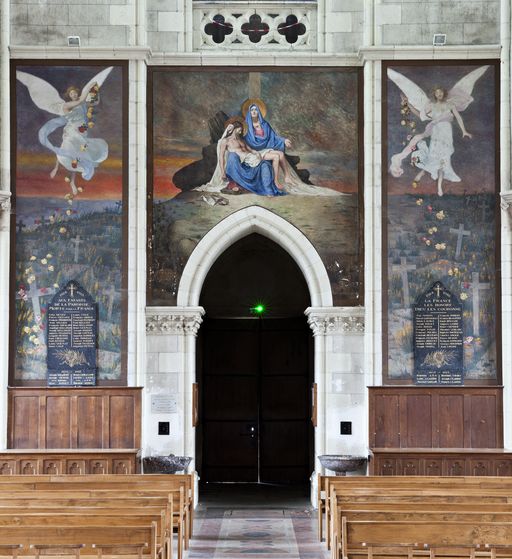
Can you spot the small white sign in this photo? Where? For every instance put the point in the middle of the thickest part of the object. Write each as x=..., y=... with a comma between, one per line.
x=163, y=403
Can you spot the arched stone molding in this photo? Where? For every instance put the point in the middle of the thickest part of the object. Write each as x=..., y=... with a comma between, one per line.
x=338, y=340
x=254, y=219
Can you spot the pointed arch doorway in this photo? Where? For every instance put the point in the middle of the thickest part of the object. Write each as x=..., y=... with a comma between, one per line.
x=255, y=370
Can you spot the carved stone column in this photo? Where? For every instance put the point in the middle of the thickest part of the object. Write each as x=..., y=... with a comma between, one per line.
x=326, y=323
x=171, y=332
x=173, y=320
x=5, y=215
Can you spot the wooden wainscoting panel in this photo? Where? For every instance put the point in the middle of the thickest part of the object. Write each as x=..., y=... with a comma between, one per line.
x=89, y=421
x=121, y=434
x=58, y=422
x=436, y=417
x=24, y=421
x=440, y=461
x=417, y=413
x=451, y=420
x=97, y=417
x=69, y=461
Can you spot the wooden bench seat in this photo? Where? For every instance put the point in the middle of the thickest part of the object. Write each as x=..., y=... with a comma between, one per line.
x=358, y=535
x=56, y=535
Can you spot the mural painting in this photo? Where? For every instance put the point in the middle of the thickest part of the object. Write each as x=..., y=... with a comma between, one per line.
x=68, y=129
x=440, y=200
x=288, y=141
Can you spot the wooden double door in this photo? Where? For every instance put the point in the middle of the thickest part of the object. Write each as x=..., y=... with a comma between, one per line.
x=254, y=380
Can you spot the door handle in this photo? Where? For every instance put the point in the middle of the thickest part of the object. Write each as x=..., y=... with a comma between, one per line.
x=250, y=431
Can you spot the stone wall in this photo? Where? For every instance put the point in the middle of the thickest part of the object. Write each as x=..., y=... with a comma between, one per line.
x=341, y=23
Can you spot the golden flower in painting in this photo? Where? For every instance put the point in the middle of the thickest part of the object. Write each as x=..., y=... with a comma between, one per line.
x=56, y=285
x=70, y=202
x=463, y=296
x=428, y=242
x=67, y=179
x=31, y=279
x=440, y=246
x=440, y=215
x=36, y=341
x=62, y=230
x=44, y=261
x=32, y=258
x=68, y=195
x=52, y=218
x=50, y=268
x=68, y=212
x=403, y=123
x=80, y=189
x=49, y=255
x=450, y=272
x=414, y=184
x=419, y=201
x=90, y=124
x=35, y=328
x=26, y=329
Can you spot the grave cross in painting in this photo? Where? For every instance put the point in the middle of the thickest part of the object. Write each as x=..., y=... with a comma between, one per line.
x=475, y=286
x=34, y=294
x=403, y=268
x=461, y=233
x=76, y=241
x=111, y=294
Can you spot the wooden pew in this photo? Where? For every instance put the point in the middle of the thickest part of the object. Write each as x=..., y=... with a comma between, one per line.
x=77, y=518
x=100, y=490
x=101, y=502
x=111, y=481
x=400, y=483
x=447, y=535
x=54, y=536
x=359, y=492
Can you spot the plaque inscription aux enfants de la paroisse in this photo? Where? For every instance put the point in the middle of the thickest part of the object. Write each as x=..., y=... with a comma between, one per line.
x=438, y=337
x=72, y=333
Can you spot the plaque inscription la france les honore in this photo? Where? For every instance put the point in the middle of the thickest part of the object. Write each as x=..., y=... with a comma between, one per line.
x=438, y=337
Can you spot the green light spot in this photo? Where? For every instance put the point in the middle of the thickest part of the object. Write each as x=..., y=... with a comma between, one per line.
x=259, y=309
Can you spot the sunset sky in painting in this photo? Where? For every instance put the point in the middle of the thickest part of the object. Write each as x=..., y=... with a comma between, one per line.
x=34, y=162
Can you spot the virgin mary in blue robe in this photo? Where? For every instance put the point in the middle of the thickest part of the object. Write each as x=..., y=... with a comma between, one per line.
x=257, y=179
x=267, y=139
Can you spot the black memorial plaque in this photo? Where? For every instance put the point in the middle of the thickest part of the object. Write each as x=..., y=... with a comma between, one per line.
x=72, y=333
x=438, y=337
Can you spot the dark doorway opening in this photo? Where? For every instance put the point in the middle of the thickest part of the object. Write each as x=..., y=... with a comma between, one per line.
x=255, y=372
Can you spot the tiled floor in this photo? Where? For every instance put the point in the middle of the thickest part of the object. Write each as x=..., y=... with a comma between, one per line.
x=268, y=522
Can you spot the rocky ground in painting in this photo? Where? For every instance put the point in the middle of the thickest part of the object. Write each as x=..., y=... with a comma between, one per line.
x=423, y=236
x=85, y=245
x=330, y=223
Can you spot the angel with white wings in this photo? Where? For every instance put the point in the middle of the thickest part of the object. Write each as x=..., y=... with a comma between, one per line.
x=77, y=152
x=434, y=157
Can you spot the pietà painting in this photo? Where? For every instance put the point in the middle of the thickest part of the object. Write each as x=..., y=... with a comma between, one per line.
x=69, y=185
x=440, y=184
x=289, y=141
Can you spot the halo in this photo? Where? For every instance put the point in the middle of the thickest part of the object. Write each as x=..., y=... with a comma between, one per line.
x=234, y=119
x=255, y=101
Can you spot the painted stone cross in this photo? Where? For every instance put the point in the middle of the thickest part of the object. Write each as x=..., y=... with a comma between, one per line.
x=476, y=286
x=76, y=241
x=461, y=233
x=111, y=294
x=34, y=294
x=403, y=268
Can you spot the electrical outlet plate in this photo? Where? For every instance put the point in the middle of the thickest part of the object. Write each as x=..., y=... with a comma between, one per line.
x=345, y=427
x=164, y=428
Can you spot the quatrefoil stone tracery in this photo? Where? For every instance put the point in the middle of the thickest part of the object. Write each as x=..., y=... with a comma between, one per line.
x=283, y=27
